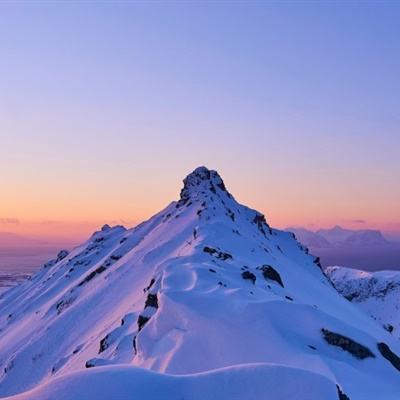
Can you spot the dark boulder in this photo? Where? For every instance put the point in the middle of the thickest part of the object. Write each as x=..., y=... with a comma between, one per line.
x=356, y=349
x=151, y=301
x=209, y=250
x=142, y=321
x=393, y=358
x=249, y=275
x=271, y=274
x=103, y=344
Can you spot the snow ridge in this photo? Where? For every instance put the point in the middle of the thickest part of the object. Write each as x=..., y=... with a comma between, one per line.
x=204, y=285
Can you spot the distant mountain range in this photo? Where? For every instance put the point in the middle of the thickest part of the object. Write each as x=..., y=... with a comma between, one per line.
x=13, y=239
x=339, y=237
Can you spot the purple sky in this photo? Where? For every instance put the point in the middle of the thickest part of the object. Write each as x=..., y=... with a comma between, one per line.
x=106, y=106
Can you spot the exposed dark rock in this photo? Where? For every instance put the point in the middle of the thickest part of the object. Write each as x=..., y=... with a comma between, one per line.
x=259, y=220
x=350, y=297
x=209, y=250
x=202, y=180
x=212, y=270
x=356, y=349
x=317, y=262
x=249, y=275
x=115, y=257
x=388, y=327
x=88, y=278
x=88, y=364
x=62, y=254
x=219, y=254
x=289, y=298
x=103, y=344
x=271, y=274
x=151, y=301
x=342, y=396
x=63, y=304
x=134, y=344
x=10, y=366
x=311, y=347
x=224, y=256
x=85, y=263
x=150, y=284
x=122, y=240
x=222, y=186
x=142, y=321
x=183, y=201
x=386, y=352
x=92, y=275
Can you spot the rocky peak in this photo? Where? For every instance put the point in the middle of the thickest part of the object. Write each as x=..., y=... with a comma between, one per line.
x=201, y=181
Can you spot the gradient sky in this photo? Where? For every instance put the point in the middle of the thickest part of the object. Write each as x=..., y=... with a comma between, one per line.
x=106, y=106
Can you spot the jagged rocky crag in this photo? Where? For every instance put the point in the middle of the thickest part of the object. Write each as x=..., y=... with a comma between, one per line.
x=204, y=287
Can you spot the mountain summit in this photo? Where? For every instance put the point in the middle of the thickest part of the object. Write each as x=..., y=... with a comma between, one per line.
x=201, y=181
x=203, y=300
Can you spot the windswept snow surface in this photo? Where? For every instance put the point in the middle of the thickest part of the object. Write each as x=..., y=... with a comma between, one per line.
x=376, y=293
x=252, y=382
x=203, y=285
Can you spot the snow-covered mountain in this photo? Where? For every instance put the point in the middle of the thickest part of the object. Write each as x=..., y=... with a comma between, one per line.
x=204, y=300
x=348, y=237
x=339, y=237
x=9, y=280
x=12, y=239
x=376, y=293
x=309, y=238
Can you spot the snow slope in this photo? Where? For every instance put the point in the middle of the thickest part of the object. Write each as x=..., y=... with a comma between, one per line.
x=204, y=285
x=376, y=293
x=239, y=382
